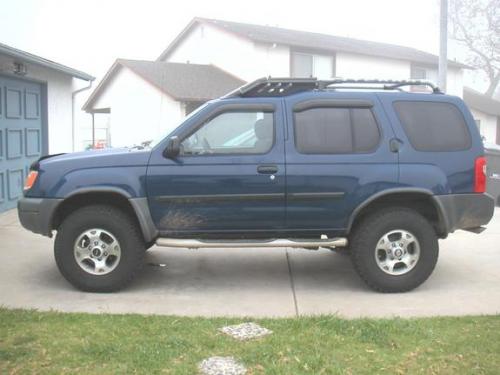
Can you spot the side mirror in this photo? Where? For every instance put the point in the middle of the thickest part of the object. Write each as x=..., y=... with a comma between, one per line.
x=173, y=147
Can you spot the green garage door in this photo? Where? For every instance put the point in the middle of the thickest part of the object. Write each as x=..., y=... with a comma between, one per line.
x=20, y=136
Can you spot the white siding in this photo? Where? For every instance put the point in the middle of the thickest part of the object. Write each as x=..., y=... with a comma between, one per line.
x=455, y=84
x=139, y=111
x=323, y=66
x=488, y=125
x=59, y=112
x=206, y=44
x=351, y=65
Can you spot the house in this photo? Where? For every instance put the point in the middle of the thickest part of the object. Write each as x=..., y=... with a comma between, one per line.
x=486, y=112
x=142, y=100
x=258, y=51
x=36, y=114
x=146, y=99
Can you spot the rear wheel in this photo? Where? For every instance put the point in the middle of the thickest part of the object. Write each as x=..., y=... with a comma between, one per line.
x=99, y=248
x=394, y=250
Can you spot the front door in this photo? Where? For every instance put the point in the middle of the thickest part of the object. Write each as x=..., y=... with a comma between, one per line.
x=229, y=177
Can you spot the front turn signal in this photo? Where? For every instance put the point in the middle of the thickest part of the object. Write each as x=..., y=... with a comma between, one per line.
x=30, y=180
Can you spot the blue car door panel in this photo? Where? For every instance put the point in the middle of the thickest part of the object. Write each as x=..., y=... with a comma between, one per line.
x=337, y=156
x=229, y=177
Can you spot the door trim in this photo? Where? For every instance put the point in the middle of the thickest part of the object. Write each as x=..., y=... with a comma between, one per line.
x=216, y=197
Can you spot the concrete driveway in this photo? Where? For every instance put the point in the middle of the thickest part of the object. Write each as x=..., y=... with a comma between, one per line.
x=255, y=282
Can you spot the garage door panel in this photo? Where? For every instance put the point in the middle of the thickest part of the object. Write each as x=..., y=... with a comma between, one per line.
x=1, y=145
x=2, y=187
x=31, y=105
x=13, y=103
x=21, y=135
x=14, y=141
x=33, y=142
x=15, y=178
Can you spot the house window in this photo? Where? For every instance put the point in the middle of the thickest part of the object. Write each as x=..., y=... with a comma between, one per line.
x=306, y=65
x=302, y=65
x=418, y=72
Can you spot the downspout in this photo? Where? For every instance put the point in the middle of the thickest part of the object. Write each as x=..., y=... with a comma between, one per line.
x=73, y=95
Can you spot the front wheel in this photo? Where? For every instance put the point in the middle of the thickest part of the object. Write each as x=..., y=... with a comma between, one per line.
x=99, y=248
x=394, y=250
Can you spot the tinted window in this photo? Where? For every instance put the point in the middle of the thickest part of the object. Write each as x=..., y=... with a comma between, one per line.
x=432, y=126
x=232, y=133
x=335, y=131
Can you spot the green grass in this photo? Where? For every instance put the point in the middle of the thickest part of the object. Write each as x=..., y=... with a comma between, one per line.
x=35, y=342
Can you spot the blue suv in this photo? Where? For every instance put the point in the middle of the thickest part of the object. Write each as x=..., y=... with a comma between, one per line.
x=302, y=163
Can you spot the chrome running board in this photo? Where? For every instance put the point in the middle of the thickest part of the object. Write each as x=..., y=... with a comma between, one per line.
x=297, y=243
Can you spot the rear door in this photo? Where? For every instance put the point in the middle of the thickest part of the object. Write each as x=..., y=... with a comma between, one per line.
x=337, y=156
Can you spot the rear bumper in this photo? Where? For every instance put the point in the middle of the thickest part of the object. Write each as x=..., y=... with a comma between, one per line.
x=464, y=211
x=35, y=214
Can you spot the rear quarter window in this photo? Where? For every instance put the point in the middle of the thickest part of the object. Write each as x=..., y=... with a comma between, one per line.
x=433, y=126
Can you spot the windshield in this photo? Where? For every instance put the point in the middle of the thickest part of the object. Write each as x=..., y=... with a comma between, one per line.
x=152, y=144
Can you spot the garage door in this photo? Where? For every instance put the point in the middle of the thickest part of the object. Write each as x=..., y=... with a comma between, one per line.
x=20, y=136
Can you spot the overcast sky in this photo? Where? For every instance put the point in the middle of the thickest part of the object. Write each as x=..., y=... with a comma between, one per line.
x=90, y=34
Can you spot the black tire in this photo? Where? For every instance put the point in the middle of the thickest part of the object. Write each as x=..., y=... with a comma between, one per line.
x=110, y=219
x=370, y=230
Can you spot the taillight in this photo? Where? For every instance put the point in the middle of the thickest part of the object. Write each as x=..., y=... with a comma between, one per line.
x=480, y=175
x=30, y=180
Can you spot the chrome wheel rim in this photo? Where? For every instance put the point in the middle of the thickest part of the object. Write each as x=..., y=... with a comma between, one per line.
x=97, y=251
x=397, y=252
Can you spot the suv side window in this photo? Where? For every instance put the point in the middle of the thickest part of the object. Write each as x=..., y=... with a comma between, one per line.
x=238, y=132
x=433, y=126
x=334, y=130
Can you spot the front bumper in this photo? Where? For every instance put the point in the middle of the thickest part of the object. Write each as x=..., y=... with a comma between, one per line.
x=36, y=214
x=465, y=211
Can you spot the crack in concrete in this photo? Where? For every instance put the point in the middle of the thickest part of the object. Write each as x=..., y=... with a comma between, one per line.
x=292, y=283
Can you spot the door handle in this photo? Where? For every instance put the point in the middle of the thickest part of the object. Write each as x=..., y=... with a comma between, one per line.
x=267, y=169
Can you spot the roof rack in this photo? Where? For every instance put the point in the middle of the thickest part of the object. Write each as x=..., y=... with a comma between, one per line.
x=287, y=86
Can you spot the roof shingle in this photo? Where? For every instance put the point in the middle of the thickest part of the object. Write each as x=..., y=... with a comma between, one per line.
x=185, y=82
x=311, y=40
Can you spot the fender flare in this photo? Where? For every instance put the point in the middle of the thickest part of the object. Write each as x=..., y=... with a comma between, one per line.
x=139, y=205
x=443, y=219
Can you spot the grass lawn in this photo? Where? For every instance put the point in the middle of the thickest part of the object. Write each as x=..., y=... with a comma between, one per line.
x=35, y=342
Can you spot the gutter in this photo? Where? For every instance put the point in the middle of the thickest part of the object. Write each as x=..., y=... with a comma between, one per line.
x=73, y=95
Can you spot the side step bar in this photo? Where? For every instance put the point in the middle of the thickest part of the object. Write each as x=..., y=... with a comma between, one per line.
x=298, y=243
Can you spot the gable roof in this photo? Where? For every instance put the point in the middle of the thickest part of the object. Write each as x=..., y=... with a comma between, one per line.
x=23, y=56
x=481, y=102
x=311, y=40
x=183, y=82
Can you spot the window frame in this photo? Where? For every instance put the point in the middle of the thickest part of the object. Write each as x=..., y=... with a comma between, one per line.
x=313, y=52
x=337, y=104
x=405, y=133
x=231, y=108
x=293, y=63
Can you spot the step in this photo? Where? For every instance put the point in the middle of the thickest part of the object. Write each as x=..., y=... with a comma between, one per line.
x=283, y=242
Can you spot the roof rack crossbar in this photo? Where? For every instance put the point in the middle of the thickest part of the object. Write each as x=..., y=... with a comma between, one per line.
x=287, y=86
x=387, y=84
